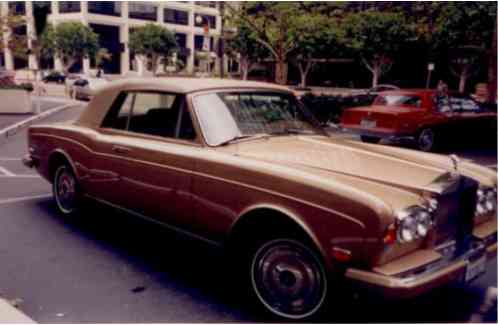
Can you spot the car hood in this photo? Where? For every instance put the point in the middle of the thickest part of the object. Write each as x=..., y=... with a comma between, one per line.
x=353, y=161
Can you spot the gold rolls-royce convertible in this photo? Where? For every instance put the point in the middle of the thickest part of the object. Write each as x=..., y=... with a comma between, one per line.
x=244, y=166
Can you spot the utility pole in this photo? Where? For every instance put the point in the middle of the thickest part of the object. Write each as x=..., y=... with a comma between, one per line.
x=221, y=43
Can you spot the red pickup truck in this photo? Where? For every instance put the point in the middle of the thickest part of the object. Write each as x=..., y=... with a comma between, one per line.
x=422, y=116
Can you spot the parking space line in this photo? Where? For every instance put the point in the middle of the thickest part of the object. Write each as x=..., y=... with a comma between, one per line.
x=9, y=159
x=6, y=172
x=21, y=176
x=12, y=129
x=25, y=198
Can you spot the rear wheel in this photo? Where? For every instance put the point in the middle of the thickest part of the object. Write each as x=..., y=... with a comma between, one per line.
x=369, y=139
x=426, y=140
x=66, y=191
x=288, y=278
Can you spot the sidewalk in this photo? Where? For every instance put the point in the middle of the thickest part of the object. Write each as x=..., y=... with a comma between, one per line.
x=10, y=123
x=46, y=104
x=11, y=315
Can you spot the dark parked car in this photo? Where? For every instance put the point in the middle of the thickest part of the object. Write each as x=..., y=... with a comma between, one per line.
x=55, y=76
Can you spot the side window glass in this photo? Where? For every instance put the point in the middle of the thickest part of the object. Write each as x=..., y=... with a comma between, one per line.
x=158, y=114
x=154, y=114
x=442, y=104
x=187, y=131
x=118, y=116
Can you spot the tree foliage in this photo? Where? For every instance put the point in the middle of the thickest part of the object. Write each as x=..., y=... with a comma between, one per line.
x=245, y=46
x=283, y=27
x=153, y=42
x=70, y=41
x=318, y=39
x=378, y=34
x=377, y=37
x=10, y=38
x=465, y=31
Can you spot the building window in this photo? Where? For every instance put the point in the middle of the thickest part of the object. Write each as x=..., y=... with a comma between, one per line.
x=69, y=6
x=174, y=16
x=199, y=41
x=17, y=7
x=142, y=10
x=42, y=6
x=211, y=20
x=110, y=8
x=181, y=39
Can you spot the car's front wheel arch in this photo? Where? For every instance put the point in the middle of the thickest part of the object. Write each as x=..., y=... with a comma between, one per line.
x=267, y=236
x=254, y=220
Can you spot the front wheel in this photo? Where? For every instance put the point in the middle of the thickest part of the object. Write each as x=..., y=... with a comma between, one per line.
x=66, y=191
x=426, y=140
x=288, y=278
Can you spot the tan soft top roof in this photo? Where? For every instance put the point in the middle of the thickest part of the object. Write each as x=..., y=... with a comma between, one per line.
x=103, y=99
x=189, y=85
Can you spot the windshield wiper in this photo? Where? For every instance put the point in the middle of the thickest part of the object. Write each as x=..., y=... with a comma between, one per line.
x=244, y=137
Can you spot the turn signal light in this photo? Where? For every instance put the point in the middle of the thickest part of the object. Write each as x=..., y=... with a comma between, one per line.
x=391, y=235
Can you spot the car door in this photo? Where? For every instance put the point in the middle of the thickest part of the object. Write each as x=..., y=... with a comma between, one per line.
x=148, y=142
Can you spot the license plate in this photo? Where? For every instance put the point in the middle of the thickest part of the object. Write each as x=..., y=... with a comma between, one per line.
x=475, y=268
x=368, y=123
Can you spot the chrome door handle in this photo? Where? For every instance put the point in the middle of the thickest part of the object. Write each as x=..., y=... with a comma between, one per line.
x=120, y=149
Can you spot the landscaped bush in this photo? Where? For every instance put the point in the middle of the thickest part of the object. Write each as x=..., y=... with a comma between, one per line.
x=24, y=86
x=328, y=108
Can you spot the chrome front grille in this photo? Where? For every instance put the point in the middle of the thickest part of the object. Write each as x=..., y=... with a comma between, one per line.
x=454, y=219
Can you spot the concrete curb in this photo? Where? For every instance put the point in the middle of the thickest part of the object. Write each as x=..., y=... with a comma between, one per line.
x=13, y=129
x=11, y=315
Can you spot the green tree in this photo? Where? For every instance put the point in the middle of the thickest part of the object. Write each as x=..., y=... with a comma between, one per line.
x=70, y=41
x=317, y=40
x=377, y=37
x=466, y=31
x=17, y=43
x=46, y=43
x=153, y=42
x=244, y=46
x=275, y=25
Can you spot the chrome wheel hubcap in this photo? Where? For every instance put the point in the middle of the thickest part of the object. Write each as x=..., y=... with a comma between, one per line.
x=426, y=139
x=288, y=279
x=65, y=190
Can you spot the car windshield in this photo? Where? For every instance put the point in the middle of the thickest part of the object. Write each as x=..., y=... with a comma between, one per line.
x=398, y=100
x=231, y=116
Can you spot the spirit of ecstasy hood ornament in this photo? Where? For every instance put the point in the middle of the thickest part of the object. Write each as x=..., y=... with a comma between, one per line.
x=455, y=160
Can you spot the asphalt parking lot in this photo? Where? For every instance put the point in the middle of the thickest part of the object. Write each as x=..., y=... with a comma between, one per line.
x=110, y=267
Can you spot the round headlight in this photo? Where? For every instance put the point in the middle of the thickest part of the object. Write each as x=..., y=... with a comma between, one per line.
x=407, y=229
x=424, y=223
x=433, y=205
x=480, y=209
x=490, y=201
x=486, y=201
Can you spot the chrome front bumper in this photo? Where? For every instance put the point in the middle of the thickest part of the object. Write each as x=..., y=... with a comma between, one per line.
x=426, y=277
